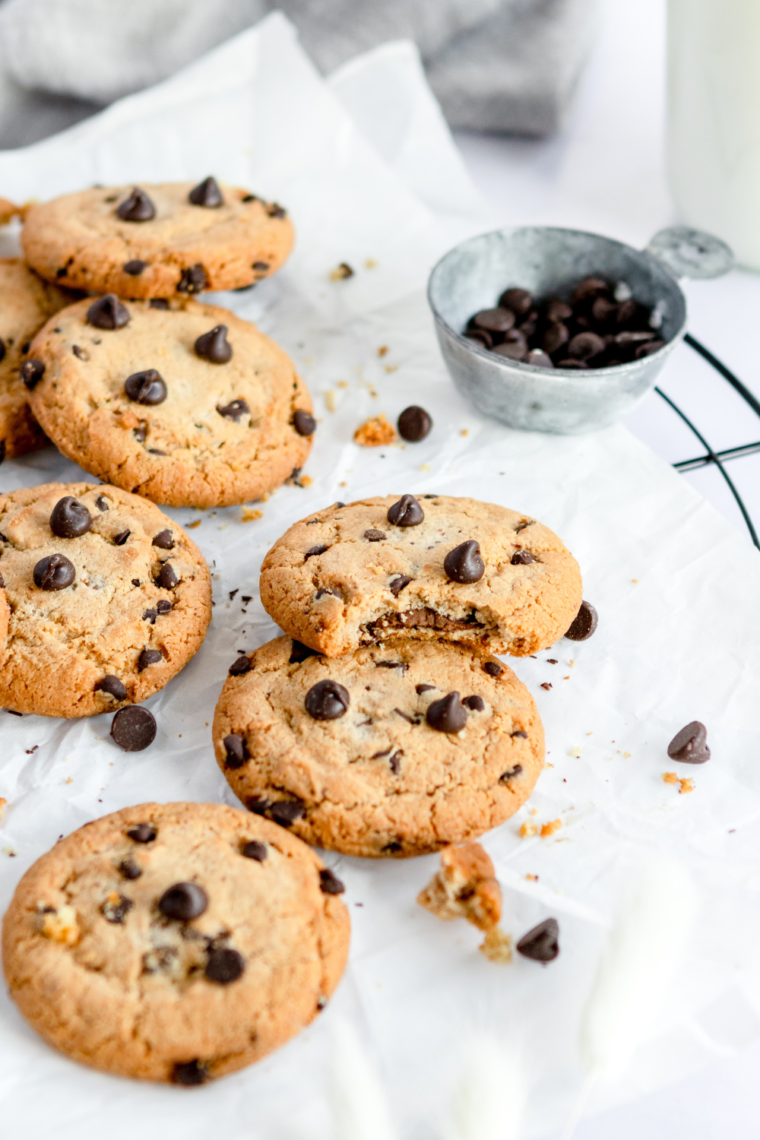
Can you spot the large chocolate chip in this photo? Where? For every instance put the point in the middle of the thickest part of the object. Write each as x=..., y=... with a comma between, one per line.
x=286, y=812
x=214, y=346
x=304, y=422
x=464, y=563
x=555, y=336
x=240, y=666
x=137, y=207
x=513, y=350
x=590, y=287
x=147, y=387
x=112, y=686
x=373, y=535
x=327, y=700
x=142, y=833
x=133, y=728
x=447, y=715
x=190, y=1073
x=398, y=584
x=148, y=657
x=414, y=424
x=584, y=623
x=192, y=280
x=584, y=345
x=70, y=518
x=31, y=372
x=108, y=313
x=236, y=752
x=519, y=301
x=494, y=320
x=135, y=267
x=690, y=744
x=557, y=310
x=163, y=540
x=206, y=193
x=54, y=572
x=255, y=849
x=166, y=577
x=329, y=883
x=183, y=902
x=224, y=966
x=541, y=944
x=235, y=410
x=522, y=558
x=406, y=512
x=116, y=909
x=299, y=652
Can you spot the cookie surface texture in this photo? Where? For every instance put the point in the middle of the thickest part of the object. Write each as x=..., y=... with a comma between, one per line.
x=149, y=944
x=128, y=598
x=80, y=240
x=186, y=430
x=377, y=779
x=26, y=302
x=348, y=576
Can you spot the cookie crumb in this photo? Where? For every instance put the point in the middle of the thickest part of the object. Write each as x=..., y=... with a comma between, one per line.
x=375, y=432
x=575, y=752
x=383, y=350
x=464, y=431
x=305, y=481
x=497, y=946
x=250, y=514
x=341, y=272
x=61, y=925
x=193, y=525
x=7, y=211
x=527, y=830
x=370, y=263
x=3, y=805
x=548, y=829
x=391, y=368
x=532, y=878
x=329, y=398
x=685, y=785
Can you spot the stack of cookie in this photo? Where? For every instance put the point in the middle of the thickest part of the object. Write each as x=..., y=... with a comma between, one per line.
x=383, y=724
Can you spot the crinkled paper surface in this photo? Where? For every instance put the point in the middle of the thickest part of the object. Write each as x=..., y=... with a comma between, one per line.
x=366, y=167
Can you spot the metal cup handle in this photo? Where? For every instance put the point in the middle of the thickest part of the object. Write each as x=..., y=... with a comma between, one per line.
x=686, y=252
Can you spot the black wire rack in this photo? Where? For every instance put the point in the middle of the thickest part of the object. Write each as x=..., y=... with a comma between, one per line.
x=719, y=458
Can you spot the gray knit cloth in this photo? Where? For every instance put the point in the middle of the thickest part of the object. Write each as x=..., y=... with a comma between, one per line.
x=495, y=65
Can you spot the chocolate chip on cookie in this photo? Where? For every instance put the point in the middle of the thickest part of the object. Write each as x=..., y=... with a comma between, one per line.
x=327, y=700
x=304, y=422
x=148, y=657
x=31, y=373
x=54, y=572
x=329, y=883
x=406, y=512
x=116, y=907
x=135, y=267
x=584, y=624
x=70, y=518
x=255, y=849
x=193, y=279
x=522, y=558
x=108, y=313
x=235, y=410
x=167, y=578
x=236, y=750
x=447, y=714
x=183, y=902
x=142, y=833
x=464, y=563
x=214, y=346
x=190, y=1073
x=224, y=966
x=137, y=207
x=163, y=540
x=240, y=666
x=112, y=686
x=206, y=193
x=146, y=387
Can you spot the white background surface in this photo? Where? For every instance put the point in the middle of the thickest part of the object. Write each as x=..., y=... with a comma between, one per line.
x=607, y=173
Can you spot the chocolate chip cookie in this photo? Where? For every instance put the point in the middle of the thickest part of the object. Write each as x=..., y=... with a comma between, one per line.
x=26, y=302
x=108, y=599
x=157, y=240
x=390, y=750
x=427, y=567
x=175, y=942
x=186, y=404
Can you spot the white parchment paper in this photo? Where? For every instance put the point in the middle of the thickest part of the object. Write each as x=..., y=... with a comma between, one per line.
x=366, y=166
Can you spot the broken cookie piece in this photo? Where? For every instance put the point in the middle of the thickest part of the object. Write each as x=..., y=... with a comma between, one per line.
x=466, y=887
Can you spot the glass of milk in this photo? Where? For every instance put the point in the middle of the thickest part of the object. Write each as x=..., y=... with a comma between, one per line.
x=714, y=119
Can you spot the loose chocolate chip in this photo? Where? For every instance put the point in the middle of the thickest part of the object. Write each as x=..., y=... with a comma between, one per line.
x=236, y=752
x=541, y=944
x=539, y=359
x=546, y=685
x=101, y=503
x=108, y=313
x=148, y=657
x=522, y=558
x=31, y=372
x=475, y=704
x=112, y=686
x=137, y=207
x=447, y=715
x=286, y=812
x=147, y=387
x=510, y=774
x=327, y=700
x=480, y=336
x=142, y=833
x=150, y=615
x=54, y=572
x=166, y=577
x=513, y=350
x=493, y=668
x=192, y=280
x=398, y=584
x=129, y=869
x=134, y=268
x=690, y=744
x=70, y=518
x=584, y=346
x=260, y=266
x=329, y=883
x=206, y=193
x=214, y=346
x=406, y=512
x=190, y=1073
x=235, y=410
x=224, y=966
x=183, y=902
x=590, y=287
x=242, y=665
x=373, y=535
x=557, y=310
x=304, y=422
x=133, y=729
x=424, y=688
x=163, y=540
x=519, y=301
x=414, y=424
x=299, y=652
x=555, y=336
x=116, y=910
x=314, y=550
x=584, y=623
x=164, y=606
x=648, y=349
x=464, y=563
x=120, y=538
x=571, y=364
x=158, y=303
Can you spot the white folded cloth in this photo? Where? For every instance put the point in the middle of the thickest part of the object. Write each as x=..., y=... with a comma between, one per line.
x=496, y=65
